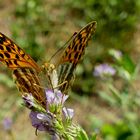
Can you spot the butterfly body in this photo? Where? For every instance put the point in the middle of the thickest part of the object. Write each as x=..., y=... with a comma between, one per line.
x=59, y=71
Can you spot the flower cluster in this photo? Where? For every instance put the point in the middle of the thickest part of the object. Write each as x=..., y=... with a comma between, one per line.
x=104, y=70
x=56, y=119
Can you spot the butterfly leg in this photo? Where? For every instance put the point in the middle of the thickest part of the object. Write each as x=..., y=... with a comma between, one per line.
x=61, y=84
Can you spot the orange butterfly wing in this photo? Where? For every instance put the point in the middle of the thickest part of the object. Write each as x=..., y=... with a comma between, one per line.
x=76, y=48
x=66, y=59
x=13, y=56
x=25, y=69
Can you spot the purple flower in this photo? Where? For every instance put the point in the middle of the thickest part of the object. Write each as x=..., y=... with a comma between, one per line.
x=104, y=70
x=42, y=122
x=56, y=97
x=117, y=54
x=7, y=123
x=68, y=112
x=51, y=119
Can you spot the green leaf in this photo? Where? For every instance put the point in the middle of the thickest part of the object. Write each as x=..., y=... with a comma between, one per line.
x=128, y=64
x=82, y=135
x=93, y=137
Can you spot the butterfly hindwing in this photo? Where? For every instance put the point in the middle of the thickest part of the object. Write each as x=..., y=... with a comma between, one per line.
x=28, y=81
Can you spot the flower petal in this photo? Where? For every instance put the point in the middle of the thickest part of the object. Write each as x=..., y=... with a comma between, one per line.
x=104, y=70
x=44, y=117
x=68, y=112
x=36, y=122
x=56, y=97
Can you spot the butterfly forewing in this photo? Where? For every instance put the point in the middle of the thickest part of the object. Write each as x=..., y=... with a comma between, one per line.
x=71, y=55
x=76, y=48
x=13, y=56
x=25, y=69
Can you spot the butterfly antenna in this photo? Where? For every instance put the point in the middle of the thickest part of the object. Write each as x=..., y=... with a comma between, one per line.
x=65, y=82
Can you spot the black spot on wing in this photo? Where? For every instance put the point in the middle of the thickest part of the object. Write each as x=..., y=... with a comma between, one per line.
x=80, y=46
x=18, y=48
x=8, y=48
x=69, y=56
x=17, y=57
x=13, y=48
x=22, y=55
x=66, y=53
x=2, y=39
x=15, y=72
x=79, y=56
x=15, y=62
x=83, y=47
x=79, y=37
x=76, y=55
x=26, y=86
x=80, y=40
x=23, y=70
x=1, y=47
x=69, y=47
x=10, y=62
x=75, y=48
x=1, y=55
x=7, y=63
x=7, y=55
x=32, y=72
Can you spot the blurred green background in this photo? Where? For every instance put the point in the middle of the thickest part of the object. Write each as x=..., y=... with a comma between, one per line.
x=106, y=104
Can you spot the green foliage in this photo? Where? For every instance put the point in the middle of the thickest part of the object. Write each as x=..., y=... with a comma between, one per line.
x=123, y=130
x=82, y=135
x=30, y=26
x=6, y=80
x=116, y=24
x=124, y=99
x=116, y=19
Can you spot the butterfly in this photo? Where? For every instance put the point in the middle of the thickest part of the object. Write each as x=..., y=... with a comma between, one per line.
x=59, y=69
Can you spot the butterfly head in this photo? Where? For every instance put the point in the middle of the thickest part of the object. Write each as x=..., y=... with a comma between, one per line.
x=48, y=67
x=50, y=71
